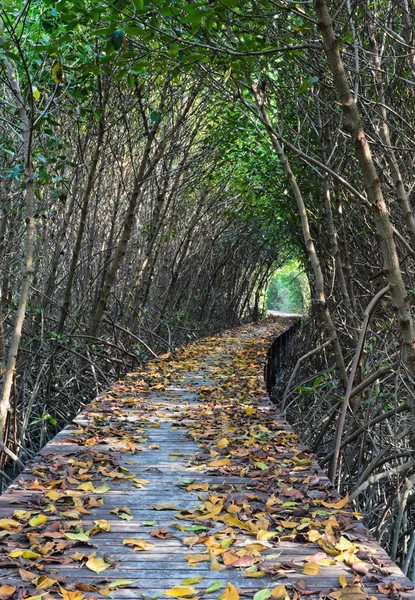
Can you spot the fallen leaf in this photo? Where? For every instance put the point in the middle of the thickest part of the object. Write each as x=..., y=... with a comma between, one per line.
x=181, y=591
x=68, y=595
x=219, y=462
x=230, y=593
x=339, y=504
x=98, y=565
x=80, y=537
x=311, y=568
x=138, y=544
x=38, y=520
x=7, y=590
x=192, y=580
x=216, y=585
x=262, y=594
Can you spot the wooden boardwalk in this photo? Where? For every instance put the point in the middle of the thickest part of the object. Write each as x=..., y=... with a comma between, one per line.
x=181, y=481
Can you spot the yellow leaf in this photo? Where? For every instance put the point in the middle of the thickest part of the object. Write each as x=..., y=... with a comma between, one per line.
x=165, y=507
x=57, y=73
x=138, y=544
x=44, y=583
x=249, y=410
x=25, y=554
x=342, y=581
x=230, y=593
x=219, y=462
x=349, y=592
x=9, y=524
x=103, y=525
x=98, y=565
x=38, y=520
x=195, y=559
x=36, y=93
x=311, y=568
x=288, y=524
x=102, y=489
x=280, y=592
x=7, y=590
x=22, y=514
x=67, y=595
x=340, y=504
x=202, y=487
x=223, y=443
x=214, y=564
x=53, y=495
x=235, y=522
x=181, y=591
x=86, y=487
x=313, y=535
x=344, y=544
x=265, y=536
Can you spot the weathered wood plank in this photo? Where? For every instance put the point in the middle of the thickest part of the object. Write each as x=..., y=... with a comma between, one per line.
x=116, y=434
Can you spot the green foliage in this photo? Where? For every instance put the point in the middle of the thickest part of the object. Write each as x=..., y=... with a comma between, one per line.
x=289, y=290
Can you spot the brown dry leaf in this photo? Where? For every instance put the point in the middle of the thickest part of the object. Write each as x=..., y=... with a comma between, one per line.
x=339, y=504
x=26, y=575
x=161, y=533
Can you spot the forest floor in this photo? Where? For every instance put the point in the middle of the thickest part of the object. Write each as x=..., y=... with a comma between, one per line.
x=181, y=481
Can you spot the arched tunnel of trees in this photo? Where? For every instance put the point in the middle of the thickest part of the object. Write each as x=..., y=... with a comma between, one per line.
x=169, y=169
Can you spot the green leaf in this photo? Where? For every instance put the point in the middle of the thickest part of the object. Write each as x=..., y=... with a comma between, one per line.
x=303, y=88
x=173, y=51
x=80, y=537
x=262, y=594
x=216, y=585
x=192, y=580
x=139, y=4
x=155, y=117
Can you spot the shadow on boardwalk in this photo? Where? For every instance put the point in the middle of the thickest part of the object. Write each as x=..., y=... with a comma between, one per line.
x=181, y=481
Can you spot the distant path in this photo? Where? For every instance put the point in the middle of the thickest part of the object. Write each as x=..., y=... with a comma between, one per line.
x=182, y=476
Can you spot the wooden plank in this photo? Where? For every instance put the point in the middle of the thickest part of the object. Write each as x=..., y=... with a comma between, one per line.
x=88, y=449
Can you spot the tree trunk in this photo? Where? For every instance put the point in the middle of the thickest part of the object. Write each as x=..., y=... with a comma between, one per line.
x=84, y=213
x=353, y=124
x=26, y=130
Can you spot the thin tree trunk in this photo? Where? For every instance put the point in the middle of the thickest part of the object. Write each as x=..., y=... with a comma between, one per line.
x=401, y=194
x=26, y=130
x=353, y=124
x=84, y=213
